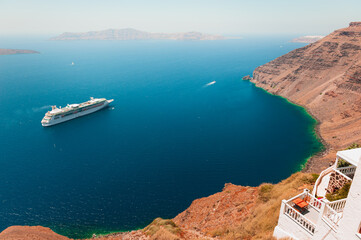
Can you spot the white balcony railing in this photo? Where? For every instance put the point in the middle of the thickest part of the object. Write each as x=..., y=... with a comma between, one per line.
x=332, y=217
x=348, y=171
x=338, y=205
x=314, y=202
x=309, y=198
x=299, y=218
x=342, y=174
x=330, y=212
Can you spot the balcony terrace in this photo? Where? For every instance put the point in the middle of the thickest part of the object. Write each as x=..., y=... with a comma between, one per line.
x=316, y=210
x=306, y=218
x=312, y=216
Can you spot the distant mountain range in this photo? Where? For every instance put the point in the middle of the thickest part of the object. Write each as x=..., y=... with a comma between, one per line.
x=133, y=34
x=307, y=39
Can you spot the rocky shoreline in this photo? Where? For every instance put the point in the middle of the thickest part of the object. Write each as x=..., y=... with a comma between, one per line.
x=324, y=78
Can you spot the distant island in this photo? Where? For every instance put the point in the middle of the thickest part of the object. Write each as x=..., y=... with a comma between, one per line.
x=133, y=34
x=307, y=39
x=4, y=51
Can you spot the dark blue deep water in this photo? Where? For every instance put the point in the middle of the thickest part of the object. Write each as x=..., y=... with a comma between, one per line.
x=167, y=140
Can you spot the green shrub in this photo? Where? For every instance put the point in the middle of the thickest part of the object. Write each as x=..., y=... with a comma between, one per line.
x=159, y=223
x=339, y=194
x=314, y=177
x=265, y=191
x=353, y=145
x=342, y=163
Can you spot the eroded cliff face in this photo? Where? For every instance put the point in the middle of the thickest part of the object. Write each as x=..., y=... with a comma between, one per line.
x=324, y=77
x=226, y=208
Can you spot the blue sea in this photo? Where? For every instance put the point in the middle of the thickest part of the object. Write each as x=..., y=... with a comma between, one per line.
x=168, y=138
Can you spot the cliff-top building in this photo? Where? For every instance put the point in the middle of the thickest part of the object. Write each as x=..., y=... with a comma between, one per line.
x=312, y=216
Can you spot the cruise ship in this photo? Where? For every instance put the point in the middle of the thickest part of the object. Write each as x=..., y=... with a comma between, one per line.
x=71, y=111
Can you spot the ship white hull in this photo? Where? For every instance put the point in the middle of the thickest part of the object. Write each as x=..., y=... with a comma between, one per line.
x=75, y=115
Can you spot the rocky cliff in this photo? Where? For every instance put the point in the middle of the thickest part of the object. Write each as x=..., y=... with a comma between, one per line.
x=133, y=34
x=324, y=77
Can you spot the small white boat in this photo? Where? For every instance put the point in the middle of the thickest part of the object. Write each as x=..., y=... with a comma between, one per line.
x=211, y=83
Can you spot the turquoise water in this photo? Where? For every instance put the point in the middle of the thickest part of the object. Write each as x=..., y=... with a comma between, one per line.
x=167, y=139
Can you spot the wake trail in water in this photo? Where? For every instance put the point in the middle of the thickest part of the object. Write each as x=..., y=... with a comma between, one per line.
x=40, y=109
x=209, y=84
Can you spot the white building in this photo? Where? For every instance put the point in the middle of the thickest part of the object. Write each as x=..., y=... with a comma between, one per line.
x=322, y=219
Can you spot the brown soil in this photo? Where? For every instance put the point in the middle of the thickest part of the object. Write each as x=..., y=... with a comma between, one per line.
x=30, y=233
x=228, y=207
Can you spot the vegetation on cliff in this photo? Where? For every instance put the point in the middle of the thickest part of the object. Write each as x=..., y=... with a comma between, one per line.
x=248, y=216
x=163, y=229
x=266, y=211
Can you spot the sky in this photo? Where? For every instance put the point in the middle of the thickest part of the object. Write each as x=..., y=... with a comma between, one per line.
x=225, y=17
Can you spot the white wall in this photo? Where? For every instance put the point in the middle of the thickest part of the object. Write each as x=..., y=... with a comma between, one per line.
x=324, y=232
x=351, y=220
